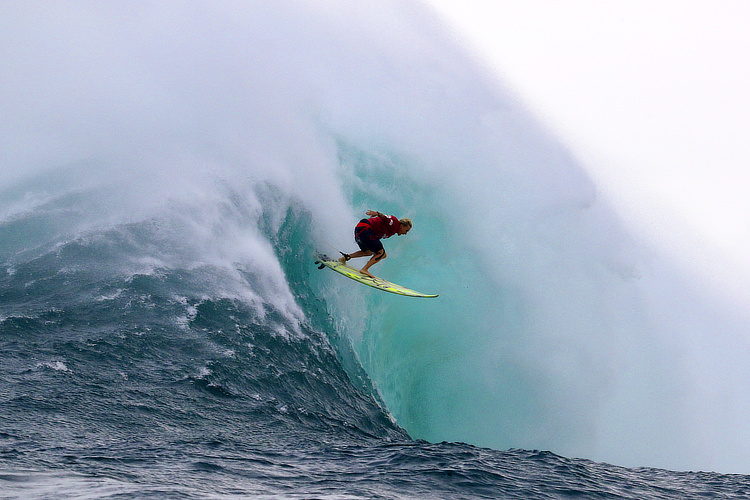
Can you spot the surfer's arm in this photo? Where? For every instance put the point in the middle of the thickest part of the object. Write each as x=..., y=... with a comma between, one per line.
x=375, y=213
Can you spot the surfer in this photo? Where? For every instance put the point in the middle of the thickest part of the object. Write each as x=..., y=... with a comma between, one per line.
x=369, y=232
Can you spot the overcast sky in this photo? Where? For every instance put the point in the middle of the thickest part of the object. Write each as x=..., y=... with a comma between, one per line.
x=652, y=95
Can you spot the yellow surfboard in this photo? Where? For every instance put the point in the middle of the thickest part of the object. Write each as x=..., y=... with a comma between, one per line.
x=379, y=283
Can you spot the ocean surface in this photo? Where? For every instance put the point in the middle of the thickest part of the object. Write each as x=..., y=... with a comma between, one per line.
x=126, y=379
x=168, y=173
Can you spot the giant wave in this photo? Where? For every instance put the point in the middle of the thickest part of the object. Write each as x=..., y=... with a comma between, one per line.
x=193, y=158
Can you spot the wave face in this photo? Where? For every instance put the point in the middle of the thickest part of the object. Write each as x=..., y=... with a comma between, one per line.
x=170, y=171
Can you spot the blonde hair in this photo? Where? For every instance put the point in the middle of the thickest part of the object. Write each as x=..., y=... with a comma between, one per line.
x=405, y=222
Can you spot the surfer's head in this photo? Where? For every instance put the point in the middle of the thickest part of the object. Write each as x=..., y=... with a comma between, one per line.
x=404, y=225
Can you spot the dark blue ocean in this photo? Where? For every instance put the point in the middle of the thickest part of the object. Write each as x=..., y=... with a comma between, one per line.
x=168, y=173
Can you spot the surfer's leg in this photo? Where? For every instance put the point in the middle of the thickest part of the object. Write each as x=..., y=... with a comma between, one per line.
x=377, y=257
x=367, y=242
x=358, y=253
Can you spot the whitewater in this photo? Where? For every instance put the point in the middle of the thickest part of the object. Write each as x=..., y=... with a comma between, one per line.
x=168, y=172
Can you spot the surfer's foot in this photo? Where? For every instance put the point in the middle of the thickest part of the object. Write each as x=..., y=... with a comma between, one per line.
x=366, y=273
x=345, y=257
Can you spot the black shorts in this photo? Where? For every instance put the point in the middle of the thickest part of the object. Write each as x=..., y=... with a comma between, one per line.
x=366, y=239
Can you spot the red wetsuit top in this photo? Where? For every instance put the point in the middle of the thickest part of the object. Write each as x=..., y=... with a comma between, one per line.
x=382, y=228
